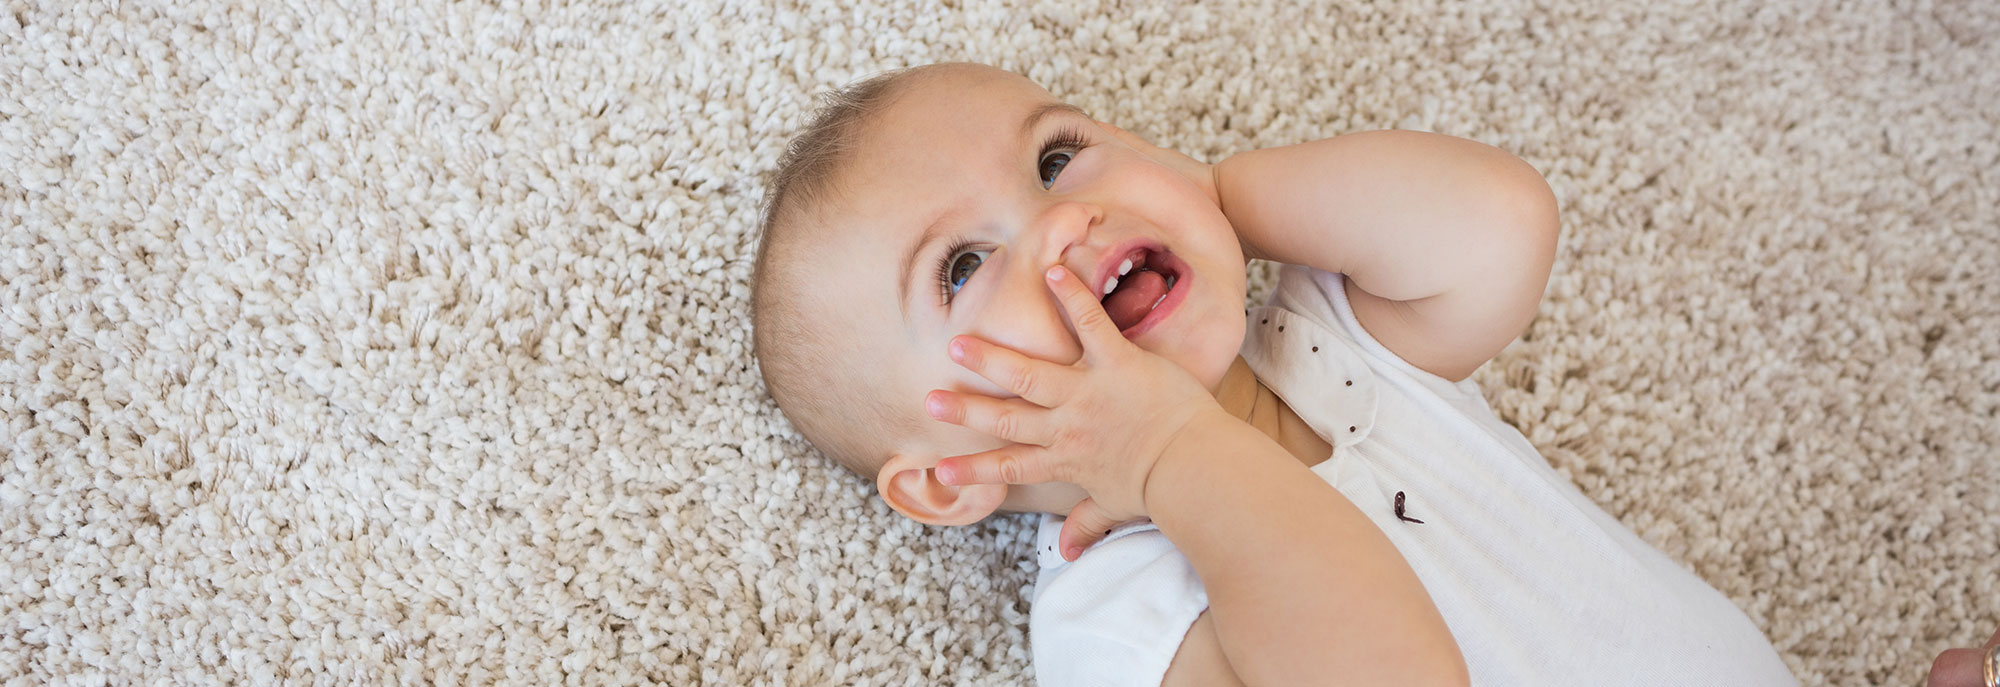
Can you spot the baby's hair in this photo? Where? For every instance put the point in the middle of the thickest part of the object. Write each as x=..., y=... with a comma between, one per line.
x=822, y=393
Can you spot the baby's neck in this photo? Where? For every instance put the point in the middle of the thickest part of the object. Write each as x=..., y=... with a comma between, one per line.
x=1242, y=395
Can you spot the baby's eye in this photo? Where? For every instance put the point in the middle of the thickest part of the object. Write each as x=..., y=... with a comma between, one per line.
x=960, y=268
x=1052, y=164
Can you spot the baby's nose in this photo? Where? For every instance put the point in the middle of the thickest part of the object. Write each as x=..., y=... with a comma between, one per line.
x=1063, y=226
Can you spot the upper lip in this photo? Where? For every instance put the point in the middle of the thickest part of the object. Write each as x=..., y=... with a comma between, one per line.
x=1107, y=268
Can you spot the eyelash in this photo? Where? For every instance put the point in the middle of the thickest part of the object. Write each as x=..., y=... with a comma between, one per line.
x=1065, y=137
x=944, y=270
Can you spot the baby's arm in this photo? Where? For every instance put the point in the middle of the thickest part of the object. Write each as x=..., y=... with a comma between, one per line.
x=1448, y=241
x=1302, y=587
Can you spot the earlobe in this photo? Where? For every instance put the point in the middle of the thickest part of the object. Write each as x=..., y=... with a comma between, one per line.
x=910, y=486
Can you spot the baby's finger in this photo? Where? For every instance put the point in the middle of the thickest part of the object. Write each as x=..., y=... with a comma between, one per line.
x=1087, y=524
x=1093, y=327
x=1043, y=383
x=1012, y=419
x=1010, y=464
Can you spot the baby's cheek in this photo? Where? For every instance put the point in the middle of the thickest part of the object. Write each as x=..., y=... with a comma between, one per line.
x=1158, y=179
x=1089, y=167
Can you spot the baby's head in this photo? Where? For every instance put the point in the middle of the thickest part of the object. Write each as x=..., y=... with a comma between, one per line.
x=926, y=203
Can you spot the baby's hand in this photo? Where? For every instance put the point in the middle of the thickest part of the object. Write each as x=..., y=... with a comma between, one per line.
x=1101, y=423
x=1202, y=174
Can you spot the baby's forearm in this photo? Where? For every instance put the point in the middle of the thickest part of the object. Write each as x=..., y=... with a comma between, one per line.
x=1405, y=214
x=1302, y=588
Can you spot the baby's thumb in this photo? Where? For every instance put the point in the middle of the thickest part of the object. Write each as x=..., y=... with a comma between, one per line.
x=1087, y=525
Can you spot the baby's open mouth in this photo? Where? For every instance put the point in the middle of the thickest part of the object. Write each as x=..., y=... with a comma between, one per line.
x=1138, y=287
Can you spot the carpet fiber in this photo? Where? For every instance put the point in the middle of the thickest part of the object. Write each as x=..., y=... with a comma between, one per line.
x=357, y=343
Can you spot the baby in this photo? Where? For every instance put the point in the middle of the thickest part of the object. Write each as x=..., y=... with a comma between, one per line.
x=985, y=301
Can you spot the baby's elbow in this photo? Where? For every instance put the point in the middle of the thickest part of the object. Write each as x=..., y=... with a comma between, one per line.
x=1440, y=674
x=1527, y=210
x=1532, y=206
x=1445, y=669
x=1456, y=675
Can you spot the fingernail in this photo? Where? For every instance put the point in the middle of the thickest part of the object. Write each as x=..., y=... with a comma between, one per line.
x=1072, y=552
x=1055, y=273
x=957, y=350
x=935, y=405
x=944, y=475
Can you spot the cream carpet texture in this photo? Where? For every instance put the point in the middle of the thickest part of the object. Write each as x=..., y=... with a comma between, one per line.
x=406, y=343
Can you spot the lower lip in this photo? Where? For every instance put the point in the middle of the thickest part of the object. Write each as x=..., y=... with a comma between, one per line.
x=1168, y=303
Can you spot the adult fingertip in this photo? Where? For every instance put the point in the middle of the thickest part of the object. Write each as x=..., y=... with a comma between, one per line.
x=1071, y=553
x=946, y=475
x=1055, y=274
x=1955, y=667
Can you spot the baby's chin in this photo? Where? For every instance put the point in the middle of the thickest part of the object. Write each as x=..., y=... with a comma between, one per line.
x=1208, y=347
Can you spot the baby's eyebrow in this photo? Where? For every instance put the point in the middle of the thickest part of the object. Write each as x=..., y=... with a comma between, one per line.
x=1035, y=118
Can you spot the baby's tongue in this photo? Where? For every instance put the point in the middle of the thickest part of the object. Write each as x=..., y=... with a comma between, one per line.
x=1134, y=297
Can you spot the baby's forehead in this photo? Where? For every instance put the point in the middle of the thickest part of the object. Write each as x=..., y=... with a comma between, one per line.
x=965, y=102
x=947, y=137
x=956, y=81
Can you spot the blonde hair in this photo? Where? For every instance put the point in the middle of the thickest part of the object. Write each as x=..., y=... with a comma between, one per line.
x=818, y=387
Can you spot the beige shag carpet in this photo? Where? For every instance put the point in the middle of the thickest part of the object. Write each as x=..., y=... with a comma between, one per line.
x=349, y=343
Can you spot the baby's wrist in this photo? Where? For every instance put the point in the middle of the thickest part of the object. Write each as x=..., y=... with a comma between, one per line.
x=1187, y=460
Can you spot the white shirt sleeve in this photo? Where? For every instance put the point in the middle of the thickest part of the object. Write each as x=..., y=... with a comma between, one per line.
x=1115, y=616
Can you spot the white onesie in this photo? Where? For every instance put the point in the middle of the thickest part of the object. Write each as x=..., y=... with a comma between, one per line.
x=1538, y=584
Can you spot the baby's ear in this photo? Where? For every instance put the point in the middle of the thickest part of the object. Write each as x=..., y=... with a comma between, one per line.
x=910, y=486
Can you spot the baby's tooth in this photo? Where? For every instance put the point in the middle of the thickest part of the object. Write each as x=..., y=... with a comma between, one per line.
x=1124, y=267
x=1108, y=286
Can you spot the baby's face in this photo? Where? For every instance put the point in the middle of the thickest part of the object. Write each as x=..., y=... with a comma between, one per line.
x=970, y=185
